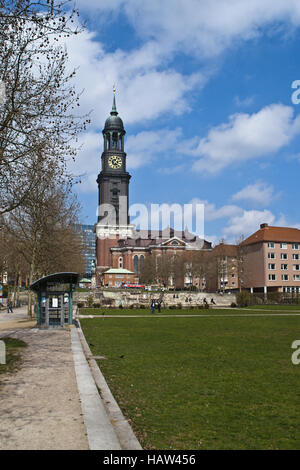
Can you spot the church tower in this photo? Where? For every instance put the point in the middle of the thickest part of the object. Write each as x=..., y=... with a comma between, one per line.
x=113, y=183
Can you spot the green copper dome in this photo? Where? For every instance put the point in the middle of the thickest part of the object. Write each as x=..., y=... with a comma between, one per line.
x=114, y=122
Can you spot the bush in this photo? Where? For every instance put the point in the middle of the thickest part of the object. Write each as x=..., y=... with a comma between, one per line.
x=179, y=306
x=243, y=298
x=96, y=305
x=173, y=307
x=233, y=305
x=90, y=301
x=80, y=304
x=121, y=306
x=142, y=306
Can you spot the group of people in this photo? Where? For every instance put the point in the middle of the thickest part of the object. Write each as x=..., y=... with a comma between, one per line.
x=154, y=305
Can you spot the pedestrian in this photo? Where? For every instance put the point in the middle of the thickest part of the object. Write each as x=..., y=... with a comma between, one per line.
x=153, y=306
x=9, y=308
x=159, y=306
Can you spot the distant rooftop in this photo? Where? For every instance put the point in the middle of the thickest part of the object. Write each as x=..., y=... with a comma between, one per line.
x=267, y=233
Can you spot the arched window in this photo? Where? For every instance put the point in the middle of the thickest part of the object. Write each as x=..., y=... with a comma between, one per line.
x=135, y=263
x=142, y=259
x=120, y=262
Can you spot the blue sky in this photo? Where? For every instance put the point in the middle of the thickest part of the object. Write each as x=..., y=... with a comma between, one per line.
x=204, y=90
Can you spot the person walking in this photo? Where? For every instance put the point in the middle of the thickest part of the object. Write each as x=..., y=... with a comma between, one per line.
x=9, y=307
x=153, y=306
x=159, y=306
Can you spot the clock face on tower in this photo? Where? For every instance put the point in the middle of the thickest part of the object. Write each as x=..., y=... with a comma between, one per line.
x=115, y=162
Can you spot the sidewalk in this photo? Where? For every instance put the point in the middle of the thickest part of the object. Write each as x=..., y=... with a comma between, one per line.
x=51, y=402
x=15, y=320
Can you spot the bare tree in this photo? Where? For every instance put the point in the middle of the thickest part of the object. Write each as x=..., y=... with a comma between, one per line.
x=43, y=233
x=38, y=117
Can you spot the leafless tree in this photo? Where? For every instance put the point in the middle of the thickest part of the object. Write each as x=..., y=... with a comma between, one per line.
x=39, y=121
x=42, y=232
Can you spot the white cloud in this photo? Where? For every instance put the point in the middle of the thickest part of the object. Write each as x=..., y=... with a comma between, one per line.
x=146, y=146
x=258, y=193
x=248, y=222
x=243, y=102
x=145, y=89
x=88, y=162
x=203, y=28
x=245, y=137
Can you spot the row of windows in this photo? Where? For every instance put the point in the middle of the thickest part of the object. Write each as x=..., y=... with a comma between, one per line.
x=284, y=245
x=284, y=277
x=291, y=289
x=283, y=256
x=285, y=267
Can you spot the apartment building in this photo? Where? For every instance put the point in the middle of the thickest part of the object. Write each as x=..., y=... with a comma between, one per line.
x=271, y=258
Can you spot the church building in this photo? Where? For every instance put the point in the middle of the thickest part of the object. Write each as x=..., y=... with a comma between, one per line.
x=118, y=244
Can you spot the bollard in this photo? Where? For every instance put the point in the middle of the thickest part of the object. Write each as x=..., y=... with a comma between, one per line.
x=2, y=352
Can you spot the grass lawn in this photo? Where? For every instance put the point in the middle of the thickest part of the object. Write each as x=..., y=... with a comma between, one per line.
x=13, y=354
x=203, y=383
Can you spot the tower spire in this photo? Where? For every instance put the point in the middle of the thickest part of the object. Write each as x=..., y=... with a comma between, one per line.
x=114, y=111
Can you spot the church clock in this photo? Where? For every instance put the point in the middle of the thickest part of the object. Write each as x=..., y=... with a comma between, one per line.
x=113, y=180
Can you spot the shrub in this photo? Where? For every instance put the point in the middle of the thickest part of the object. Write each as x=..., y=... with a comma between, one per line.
x=121, y=306
x=243, y=298
x=80, y=304
x=179, y=306
x=90, y=300
x=233, y=305
x=96, y=305
x=142, y=306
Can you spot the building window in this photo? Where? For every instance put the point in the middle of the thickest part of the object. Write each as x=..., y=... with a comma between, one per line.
x=142, y=259
x=296, y=277
x=271, y=245
x=284, y=277
x=295, y=256
x=284, y=267
x=272, y=277
x=120, y=262
x=295, y=246
x=283, y=246
x=296, y=267
x=136, y=263
x=283, y=256
x=272, y=266
x=271, y=255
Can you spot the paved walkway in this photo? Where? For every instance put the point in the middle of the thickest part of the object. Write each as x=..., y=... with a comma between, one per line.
x=52, y=401
x=15, y=320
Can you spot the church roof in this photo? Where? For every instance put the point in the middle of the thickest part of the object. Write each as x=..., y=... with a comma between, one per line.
x=147, y=238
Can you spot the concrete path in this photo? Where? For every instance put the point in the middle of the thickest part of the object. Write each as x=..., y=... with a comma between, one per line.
x=15, y=320
x=52, y=401
x=40, y=405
